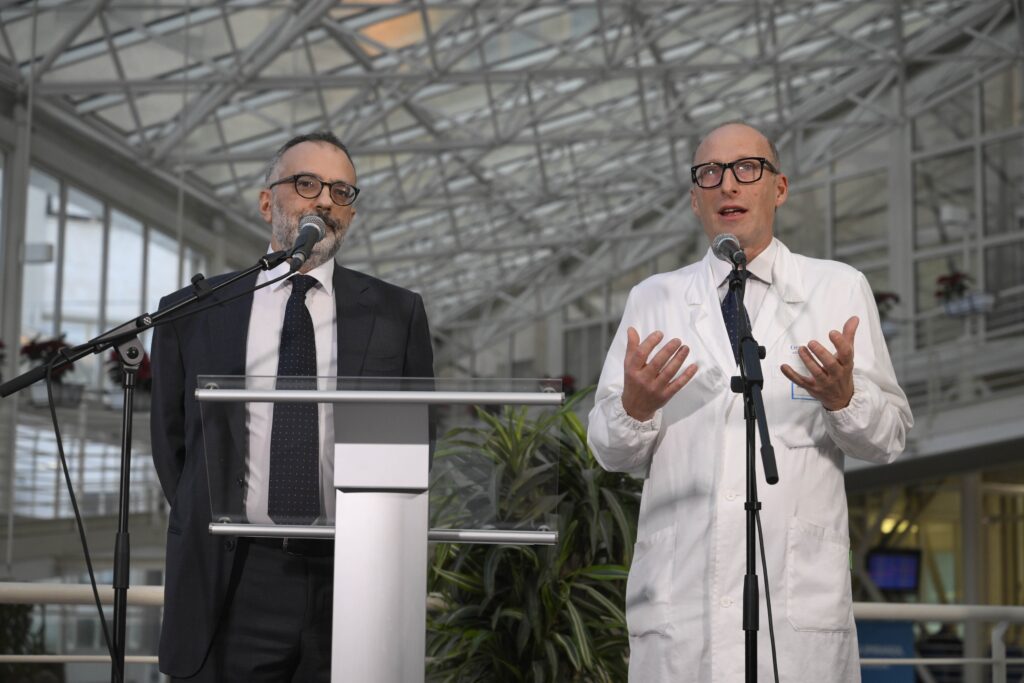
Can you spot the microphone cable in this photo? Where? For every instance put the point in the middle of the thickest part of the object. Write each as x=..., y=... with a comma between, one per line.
x=767, y=594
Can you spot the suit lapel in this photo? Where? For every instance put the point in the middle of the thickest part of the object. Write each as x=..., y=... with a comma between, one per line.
x=356, y=316
x=229, y=328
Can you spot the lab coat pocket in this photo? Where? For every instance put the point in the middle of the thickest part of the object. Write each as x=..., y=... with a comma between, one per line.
x=818, y=596
x=649, y=586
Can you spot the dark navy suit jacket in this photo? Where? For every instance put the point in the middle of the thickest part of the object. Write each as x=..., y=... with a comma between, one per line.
x=382, y=332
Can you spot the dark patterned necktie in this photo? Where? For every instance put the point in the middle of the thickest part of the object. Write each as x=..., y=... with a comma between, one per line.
x=732, y=323
x=294, y=496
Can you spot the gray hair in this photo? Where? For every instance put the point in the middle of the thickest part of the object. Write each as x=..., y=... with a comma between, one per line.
x=324, y=136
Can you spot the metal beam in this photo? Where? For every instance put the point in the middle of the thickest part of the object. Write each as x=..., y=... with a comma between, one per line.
x=274, y=40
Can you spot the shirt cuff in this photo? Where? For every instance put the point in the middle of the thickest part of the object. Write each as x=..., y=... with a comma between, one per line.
x=846, y=416
x=619, y=414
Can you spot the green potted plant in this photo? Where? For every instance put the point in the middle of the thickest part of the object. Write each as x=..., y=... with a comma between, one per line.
x=17, y=637
x=531, y=613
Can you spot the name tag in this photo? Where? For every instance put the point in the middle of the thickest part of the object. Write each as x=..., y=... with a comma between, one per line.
x=798, y=393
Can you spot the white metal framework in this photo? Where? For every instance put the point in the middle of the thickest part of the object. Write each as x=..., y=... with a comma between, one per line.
x=513, y=155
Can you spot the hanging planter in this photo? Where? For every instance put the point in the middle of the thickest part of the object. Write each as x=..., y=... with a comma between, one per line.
x=886, y=301
x=954, y=292
x=65, y=394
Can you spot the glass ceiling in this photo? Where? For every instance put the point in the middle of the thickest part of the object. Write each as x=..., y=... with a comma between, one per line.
x=512, y=155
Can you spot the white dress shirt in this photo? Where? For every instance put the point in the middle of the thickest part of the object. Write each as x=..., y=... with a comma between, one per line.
x=760, y=279
x=261, y=355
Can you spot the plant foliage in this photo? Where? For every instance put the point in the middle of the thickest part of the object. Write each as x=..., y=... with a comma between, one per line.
x=530, y=613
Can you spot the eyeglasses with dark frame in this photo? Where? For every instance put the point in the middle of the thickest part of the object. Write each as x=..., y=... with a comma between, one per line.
x=309, y=187
x=746, y=170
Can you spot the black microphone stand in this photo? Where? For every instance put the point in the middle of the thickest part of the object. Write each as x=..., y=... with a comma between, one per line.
x=124, y=338
x=749, y=383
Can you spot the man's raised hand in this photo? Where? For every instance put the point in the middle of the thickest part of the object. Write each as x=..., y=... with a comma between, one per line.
x=831, y=380
x=649, y=382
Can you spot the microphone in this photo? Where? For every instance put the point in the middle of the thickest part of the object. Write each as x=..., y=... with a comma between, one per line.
x=311, y=230
x=727, y=248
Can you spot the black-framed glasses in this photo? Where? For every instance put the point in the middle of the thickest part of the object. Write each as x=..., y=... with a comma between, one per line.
x=745, y=170
x=309, y=187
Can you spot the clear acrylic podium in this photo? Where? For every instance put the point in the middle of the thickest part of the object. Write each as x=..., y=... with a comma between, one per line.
x=386, y=433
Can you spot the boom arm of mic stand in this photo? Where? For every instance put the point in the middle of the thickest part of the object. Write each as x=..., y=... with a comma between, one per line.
x=122, y=333
x=130, y=351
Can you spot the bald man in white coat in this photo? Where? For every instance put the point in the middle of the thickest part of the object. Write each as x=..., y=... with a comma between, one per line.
x=664, y=410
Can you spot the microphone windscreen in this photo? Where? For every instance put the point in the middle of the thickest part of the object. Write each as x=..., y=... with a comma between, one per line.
x=727, y=247
x=315, y=221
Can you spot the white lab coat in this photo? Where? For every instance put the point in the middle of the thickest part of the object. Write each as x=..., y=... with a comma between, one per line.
x=684, y=595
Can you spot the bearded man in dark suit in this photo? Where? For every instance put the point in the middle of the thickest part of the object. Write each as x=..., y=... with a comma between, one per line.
x=260, y=609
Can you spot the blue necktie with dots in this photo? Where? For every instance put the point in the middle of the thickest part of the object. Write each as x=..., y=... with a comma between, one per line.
x=294, y=490
x=732, y=323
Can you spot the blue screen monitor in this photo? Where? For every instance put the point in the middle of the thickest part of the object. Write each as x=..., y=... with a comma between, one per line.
x=895, y=570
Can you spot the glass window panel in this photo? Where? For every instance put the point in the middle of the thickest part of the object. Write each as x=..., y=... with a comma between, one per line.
x=862, y=209
x=81, y=284
x=1004, y=277
x=195, y=262
x=862, y=220
x=124, y=275
x=39, y=283
x=1003, y=100
x=124, y=269
x=878, y=278
x=801, y=222
x=943, y=199
x=947, y=123
x=1003, y=163
x=585, y=351
x=2, y=158
x=161, y=268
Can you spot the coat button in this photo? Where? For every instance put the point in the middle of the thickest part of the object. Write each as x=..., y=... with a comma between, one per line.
x=229, y=544
x=241, y=481
x=726, y=602
x=730, y=495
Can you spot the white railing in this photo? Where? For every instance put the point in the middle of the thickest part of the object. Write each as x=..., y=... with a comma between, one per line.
x=21, y=593
x=153, y=596
x=1000, y=615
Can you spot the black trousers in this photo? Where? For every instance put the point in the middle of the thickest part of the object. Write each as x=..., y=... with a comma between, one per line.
x=277, y=625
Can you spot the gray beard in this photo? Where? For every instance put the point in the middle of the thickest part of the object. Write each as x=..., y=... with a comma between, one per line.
x=285, y=230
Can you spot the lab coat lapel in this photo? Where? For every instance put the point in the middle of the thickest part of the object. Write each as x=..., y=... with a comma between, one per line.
x=783, y=302
x=706, y=317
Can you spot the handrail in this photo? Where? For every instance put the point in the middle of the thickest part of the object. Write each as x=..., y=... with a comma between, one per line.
x=484, y=536
x=537, y=398
x=910, y=611
x=1000, y=614
x=26, y=593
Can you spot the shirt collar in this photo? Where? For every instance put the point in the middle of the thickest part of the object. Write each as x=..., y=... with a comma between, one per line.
x=324, y=274
x=761, y=267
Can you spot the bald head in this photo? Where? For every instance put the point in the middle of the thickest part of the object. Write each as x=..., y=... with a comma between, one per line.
x=771, y=151
x=743, y=208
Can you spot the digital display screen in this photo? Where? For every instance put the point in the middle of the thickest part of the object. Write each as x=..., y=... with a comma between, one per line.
x=895, y=570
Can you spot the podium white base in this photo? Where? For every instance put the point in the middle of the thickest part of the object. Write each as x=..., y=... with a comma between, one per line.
x=380, y=552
